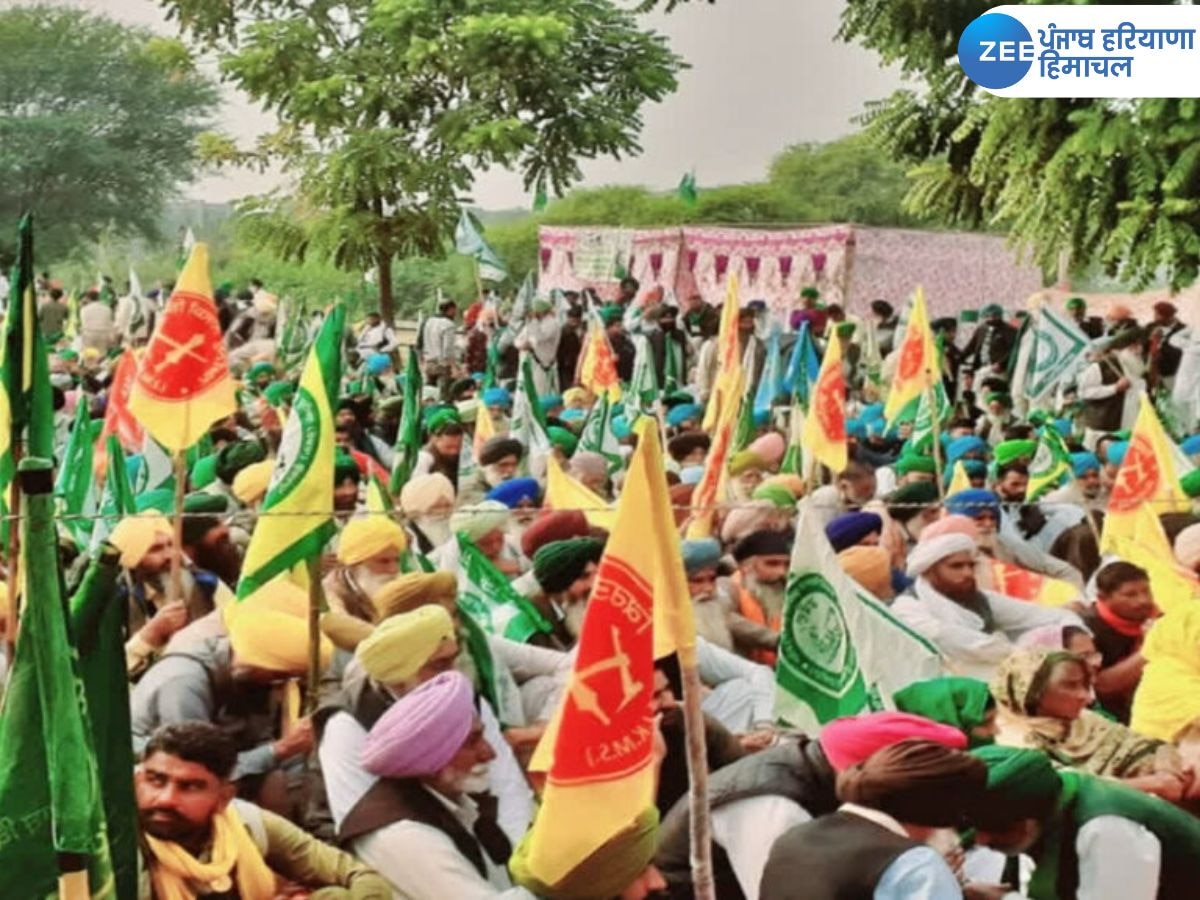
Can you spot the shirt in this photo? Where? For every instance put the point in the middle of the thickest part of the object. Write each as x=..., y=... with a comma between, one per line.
x=377, y=339
x=1117, y=858
x=437, y=340
x=916, y=874
x=747, y=829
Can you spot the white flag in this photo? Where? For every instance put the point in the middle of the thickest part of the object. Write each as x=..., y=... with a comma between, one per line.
x=1059, y=350
x=841, y=651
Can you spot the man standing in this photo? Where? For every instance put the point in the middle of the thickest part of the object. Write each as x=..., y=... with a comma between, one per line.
x=52, y=316
x=570, y=345
x=1089, y=325
x=992, y=341
x=96, y=324
x=1103, y=385
x=199, y=841
x=376, y=337
x=540, y=338
x=436, y=344
x=1168, y=339
x=886, y=325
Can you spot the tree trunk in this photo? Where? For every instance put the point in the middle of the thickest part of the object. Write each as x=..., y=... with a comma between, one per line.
x=383, y=262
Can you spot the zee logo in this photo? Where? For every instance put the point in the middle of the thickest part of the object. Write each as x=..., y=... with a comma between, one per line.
x=995, y=51
x=1005, y=51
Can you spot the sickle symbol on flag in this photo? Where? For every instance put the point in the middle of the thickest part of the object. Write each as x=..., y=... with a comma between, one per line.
x=585, y=695
x=180, y=350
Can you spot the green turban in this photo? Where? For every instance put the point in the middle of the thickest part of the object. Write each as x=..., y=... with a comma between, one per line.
x=998, y=397
x=279, y=392
x=68, y=355
x=202, y=503
x=562, y=439
x=232, y=458
x=961, y=703
x=559, y=564
x=1011, y=451
x=906, y=502
x=1021, y=784
x=259, y=369
x=777, y=494
x=846, y=329
x=611, y=314
x=992, y=309
x=608, y=871
x=1191, y=483
x=345, y=468
x=1076, y=303
x=441, y=419
x=810, y=293
x=542, y=306
x=204, y=471
x=744, y=461
x=914, y=463
x=969, y=315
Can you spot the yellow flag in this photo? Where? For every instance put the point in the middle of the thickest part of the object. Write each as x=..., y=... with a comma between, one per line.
x=1142, y=541
x=183, y=383
x=485, y=427
x=598, y=367
x=917, y=361
x=825, y=424
x=1148, y=481
x=564, y=492
x=601, y=741
x=729, y=360
x=711, y=488
x=959, y=481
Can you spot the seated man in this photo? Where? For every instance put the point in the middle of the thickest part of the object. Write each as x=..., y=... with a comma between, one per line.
x=762, y=559
x=1118, y=620
x=874, y=845
x=566, y=571
x=199, y=841
x=368, y=557
x=1088, y=836
x=974, y=630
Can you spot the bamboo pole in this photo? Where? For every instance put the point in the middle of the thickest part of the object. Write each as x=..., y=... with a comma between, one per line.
x=316, y=603
x=700, y=830
x=175, y=590
x=73, y=877
x=935, y=435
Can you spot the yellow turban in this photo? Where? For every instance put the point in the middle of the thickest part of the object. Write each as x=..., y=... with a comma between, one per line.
x=369, y=536
x=401, y=644
x=407, y=592
x=135, y=535
x=250, y=484
x=346, y=631
x=576, y=398
x=269, y=629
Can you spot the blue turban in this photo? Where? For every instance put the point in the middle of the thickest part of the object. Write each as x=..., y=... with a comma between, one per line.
x=1063, y=427
x=573, y=415
x=511, y=493
x=872, y=412
x=960, y=447
x=1191, y=445
x=497, y=396
x=971, y=502
x=849, y=528
x=1115, y=452
x=701, y=554
x=677, y=415
x=378, y=363
x=620, y=427
x=550, y=401
x=975, y=468
x=857, y=429
x=691, y=474
x=761, y=417
x=1082, y=463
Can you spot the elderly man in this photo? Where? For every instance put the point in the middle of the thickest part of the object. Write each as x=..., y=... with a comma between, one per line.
x=566, y=571
x=855, y=486
x=427, y=502
x=762, y=558
x=199, y=841
x=442, y=451
x=485, y=525
x=874, y=845
x=539, y=338
x=229, y=679
x=711, y=607
x=368, y=557
x=145, y=543
x=1088, y=836
x=974, y=630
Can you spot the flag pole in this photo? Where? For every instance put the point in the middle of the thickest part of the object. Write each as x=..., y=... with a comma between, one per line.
x=316, y=602
x=935, y=431
x=14, y=557
x=175, y=591
x=73, y=877
x=700, y=829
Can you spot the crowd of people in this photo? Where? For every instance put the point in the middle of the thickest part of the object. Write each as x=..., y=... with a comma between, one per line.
x=1055, y=757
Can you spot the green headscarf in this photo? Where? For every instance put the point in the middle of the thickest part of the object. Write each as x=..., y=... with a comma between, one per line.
x=1021, y=784
x=777, y=494
x=961, y=703
x=563, y=439
x=204, y=471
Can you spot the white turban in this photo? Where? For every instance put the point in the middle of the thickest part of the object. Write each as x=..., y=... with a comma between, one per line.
x=480, y=520
x=421, y=494
x=927, y=554
x=1187, y=547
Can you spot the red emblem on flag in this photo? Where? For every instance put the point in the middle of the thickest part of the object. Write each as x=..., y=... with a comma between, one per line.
x=830, y=403
x=1138, y=478
x=607, y=730
x=912, y=357
x=186, y=356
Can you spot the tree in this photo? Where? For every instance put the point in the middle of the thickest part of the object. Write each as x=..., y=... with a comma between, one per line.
x=97, y=125
x=389, y=107
x=1112, y=183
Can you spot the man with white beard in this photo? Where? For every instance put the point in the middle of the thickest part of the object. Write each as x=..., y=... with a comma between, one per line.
x=522, y=497
x=710, y=606
x=760, y=585
x=427, y=501
x=499, y=461
x=566, y=571
x=540, y=338
x=368, y=558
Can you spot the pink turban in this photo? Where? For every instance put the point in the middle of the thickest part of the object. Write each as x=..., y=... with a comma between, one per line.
x=951, y=525
x=770, y=448
x=1044, y=637
x=748, y=518
x=851, y=740
x=1187, y=547
x=423, y=730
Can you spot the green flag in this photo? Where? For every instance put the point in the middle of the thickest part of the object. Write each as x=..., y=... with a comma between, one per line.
x=488, y=597
x=528, y=419
x=643, y=385
x=540, y=199
x=468, y=240
x=73, y=486
x=408, y=437
x=117, y=498
x=26, y=371
x=1051, y=462
x=50, y=799
x=687, y=189
x=298, y=508
x=598, y=436
x=98, y=624
x=841, y=651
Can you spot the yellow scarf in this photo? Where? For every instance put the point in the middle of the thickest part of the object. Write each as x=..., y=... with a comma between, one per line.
x=235, y=856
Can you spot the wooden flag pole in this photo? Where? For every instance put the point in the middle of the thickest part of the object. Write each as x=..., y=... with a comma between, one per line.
x=935, y=430
x=316, y=603
x=700, y=830
x=175, y=590
x=73, y=877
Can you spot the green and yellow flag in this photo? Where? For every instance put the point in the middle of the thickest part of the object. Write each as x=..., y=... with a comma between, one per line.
x=297, y=514
x=26, y=373
x=1051, y=462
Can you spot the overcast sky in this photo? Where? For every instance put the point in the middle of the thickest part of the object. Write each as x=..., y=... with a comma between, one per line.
x=765, y=74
